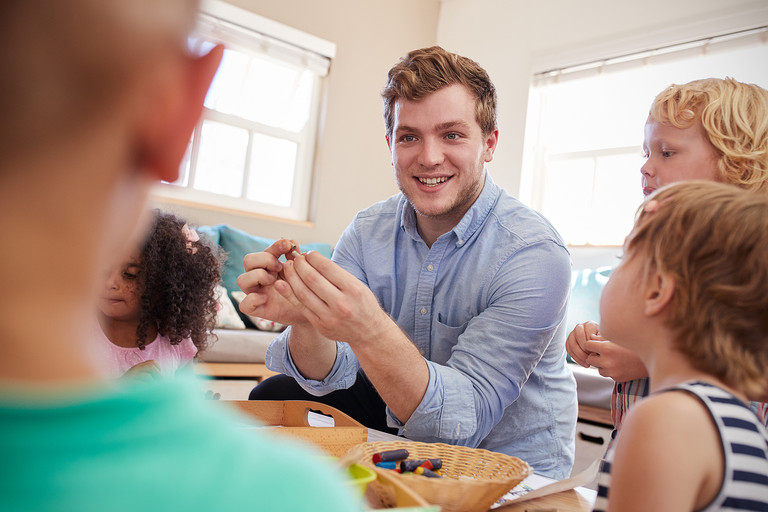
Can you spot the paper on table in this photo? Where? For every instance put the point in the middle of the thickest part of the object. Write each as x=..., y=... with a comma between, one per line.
x=586, y=476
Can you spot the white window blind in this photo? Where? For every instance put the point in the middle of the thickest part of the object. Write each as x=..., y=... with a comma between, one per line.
x=584, y=133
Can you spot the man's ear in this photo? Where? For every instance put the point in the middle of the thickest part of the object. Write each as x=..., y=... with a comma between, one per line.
x=175, y=121
x=659, y=290
x=490, y=145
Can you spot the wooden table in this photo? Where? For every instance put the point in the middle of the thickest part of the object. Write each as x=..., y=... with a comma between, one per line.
x=566, y=501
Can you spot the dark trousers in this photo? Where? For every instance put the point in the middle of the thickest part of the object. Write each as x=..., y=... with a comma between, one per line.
x=361, y=401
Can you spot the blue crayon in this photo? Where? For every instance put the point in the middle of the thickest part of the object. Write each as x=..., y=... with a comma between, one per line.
x=387, y=465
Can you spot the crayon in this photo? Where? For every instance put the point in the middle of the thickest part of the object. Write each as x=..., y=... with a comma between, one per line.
x=390, y=455
x=410, y=465
x=387, y=465
x=426, y=472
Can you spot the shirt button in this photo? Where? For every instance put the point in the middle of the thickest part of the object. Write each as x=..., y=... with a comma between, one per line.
x=461, y=242
x=423, y=311
x=430, y=267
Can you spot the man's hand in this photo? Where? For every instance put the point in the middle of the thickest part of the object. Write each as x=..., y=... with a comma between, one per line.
x=340, y=307
x=334, y=301
x=268, y=296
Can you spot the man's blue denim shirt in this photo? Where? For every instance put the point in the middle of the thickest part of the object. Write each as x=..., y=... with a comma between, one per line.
x=485, y=305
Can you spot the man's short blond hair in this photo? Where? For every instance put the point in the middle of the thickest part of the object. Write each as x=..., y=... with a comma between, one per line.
x=734, y=116
x=712, y=239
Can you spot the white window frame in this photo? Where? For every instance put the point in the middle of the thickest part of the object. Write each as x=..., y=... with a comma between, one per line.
x=283, y=42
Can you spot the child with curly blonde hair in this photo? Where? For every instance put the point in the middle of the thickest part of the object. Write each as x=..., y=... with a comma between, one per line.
x=690, y=299
x=157, y=309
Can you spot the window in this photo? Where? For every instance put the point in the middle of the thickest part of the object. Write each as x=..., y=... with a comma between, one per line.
x=253, y=148
x=584, y=133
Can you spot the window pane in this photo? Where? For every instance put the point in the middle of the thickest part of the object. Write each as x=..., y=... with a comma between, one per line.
x=617, y=194
x=262, y=90
x=568, y=197
x=272, y=170
x=221, y=159
x=278, y=95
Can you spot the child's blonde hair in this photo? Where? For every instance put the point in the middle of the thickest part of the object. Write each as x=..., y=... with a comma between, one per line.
x=712, y=239
x=735, y=119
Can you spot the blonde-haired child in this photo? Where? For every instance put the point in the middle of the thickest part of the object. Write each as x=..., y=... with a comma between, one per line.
x=690, y=299
x=712, y=129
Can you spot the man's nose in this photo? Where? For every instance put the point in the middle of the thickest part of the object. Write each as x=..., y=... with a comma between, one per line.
x=431, y=153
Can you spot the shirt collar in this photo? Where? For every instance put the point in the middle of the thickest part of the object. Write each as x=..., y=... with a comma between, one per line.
x=468, y=224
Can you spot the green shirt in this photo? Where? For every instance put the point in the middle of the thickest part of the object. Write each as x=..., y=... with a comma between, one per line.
x=153, y=446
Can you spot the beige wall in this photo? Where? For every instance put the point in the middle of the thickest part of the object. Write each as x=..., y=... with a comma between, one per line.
x=510, y=38
x=353, y=167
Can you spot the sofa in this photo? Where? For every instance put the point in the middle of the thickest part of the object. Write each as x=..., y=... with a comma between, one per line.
x=242, y=341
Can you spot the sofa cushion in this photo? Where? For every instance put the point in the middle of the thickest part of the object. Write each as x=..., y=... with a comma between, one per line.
x=226, y=315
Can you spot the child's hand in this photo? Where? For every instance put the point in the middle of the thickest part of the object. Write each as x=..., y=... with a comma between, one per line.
x=614, y=361
x=146, y=371
x=576, y=343
x=263, y=274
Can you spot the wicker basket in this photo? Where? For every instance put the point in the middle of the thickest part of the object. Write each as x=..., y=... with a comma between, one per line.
x=473, y=479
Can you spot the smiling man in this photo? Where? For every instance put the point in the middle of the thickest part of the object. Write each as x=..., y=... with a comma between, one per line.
x=441, y=314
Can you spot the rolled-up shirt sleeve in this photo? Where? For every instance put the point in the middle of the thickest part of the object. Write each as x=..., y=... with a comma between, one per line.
x=342, y=375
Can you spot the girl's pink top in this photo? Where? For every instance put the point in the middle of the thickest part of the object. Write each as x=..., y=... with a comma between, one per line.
x=117, y=360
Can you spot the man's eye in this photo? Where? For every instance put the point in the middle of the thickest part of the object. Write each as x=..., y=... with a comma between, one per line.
x=452, y=136
x=666, y=154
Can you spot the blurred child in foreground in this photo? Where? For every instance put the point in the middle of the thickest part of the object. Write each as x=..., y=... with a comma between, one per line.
x=99, y=98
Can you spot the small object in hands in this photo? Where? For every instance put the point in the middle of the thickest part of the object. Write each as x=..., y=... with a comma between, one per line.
x=295, y=253
x=390, y=455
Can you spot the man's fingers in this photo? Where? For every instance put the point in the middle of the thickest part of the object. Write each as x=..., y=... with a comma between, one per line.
x=303, y=286
x=281, y=247
x=251, y=302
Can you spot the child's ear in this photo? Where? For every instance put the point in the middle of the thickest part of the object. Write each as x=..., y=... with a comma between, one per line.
x=170, y=128
x=659, y=290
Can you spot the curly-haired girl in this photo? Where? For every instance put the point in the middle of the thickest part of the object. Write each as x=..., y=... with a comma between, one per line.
x=156, y=310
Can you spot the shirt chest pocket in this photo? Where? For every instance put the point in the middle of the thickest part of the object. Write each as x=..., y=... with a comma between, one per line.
x=444, y=338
